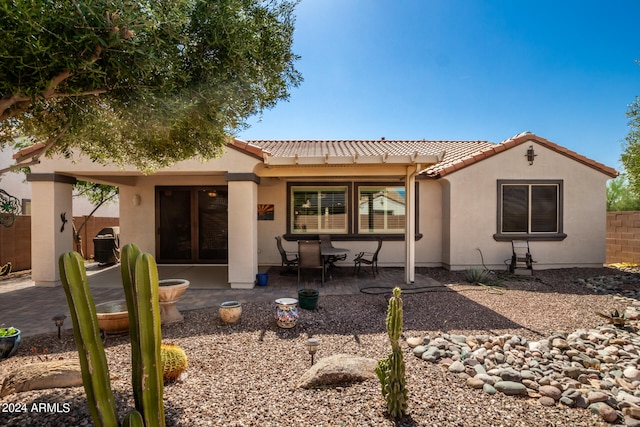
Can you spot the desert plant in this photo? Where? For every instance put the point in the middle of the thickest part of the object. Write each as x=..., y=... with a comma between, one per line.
x=476, y=275
x=390, y=371
x=616, y=318
x=174, y=361
x=142, y=286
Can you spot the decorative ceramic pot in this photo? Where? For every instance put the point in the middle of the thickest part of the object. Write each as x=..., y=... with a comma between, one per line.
x=287, y=312
x=230, y=311
x=169, y=291
x=113, y=317
x=9, y=344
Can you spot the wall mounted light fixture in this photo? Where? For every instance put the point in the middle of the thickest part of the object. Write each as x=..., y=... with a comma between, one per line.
x=136, y=200
x=530, y=154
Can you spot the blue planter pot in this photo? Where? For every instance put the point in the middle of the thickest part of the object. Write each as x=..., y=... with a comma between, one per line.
x=262, y=279
x=9, y=345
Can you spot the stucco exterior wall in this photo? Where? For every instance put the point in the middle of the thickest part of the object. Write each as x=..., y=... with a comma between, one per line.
x=472, y=211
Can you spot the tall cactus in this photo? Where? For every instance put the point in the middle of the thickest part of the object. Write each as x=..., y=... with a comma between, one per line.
x=150, y=369
x=140, y=280
x=93, y=361
x=390, y=371
x=129, y=254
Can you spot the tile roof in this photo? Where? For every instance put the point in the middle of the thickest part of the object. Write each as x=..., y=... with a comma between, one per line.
x=461, y=158
x=347, y=148
x=457, y=154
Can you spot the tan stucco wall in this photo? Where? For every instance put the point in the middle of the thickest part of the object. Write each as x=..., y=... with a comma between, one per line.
x=472, y=211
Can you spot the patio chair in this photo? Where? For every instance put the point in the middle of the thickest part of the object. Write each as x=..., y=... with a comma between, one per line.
x=325, y=242
x=288, y=259
x=521, y=258
x=369, y=258
x=310, y=257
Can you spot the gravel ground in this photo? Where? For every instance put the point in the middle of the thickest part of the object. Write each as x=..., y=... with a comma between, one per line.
x=245, y=374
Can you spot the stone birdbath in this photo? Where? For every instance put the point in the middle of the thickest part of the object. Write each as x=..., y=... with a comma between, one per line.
x=169, y=291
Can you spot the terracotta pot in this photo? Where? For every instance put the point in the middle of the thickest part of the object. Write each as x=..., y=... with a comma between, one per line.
x=113, y=317
x=230, y=311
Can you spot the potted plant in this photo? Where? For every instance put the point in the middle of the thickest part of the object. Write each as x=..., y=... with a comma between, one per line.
x=9, y=341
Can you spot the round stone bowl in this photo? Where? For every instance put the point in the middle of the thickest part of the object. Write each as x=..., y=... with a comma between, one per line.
x=230, y=311
x=170, y=290
x=113, y=317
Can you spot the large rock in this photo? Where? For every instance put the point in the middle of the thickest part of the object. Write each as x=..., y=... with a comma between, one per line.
x=38, y=376
x=338, y=369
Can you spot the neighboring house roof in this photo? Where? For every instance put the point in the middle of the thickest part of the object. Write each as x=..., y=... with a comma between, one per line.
x=462, y=157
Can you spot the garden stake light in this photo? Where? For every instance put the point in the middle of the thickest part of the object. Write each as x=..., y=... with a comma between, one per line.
x=312, y=346
x=59, y=319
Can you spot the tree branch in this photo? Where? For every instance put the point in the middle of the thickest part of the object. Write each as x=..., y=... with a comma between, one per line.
x=35, y=159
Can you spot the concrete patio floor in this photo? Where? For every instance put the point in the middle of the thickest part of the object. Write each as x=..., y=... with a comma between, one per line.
x=30, y=308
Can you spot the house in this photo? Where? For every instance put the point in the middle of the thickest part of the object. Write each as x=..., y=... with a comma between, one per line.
x=456, y=204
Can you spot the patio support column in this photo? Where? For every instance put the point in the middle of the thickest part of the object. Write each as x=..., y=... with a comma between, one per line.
x=243, y=229
x=410, y=227
x=50, y=235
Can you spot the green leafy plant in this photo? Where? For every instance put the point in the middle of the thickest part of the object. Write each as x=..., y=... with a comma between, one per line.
x=8, y=332
x=476, y=275
x=390, y=371
x=140, y=280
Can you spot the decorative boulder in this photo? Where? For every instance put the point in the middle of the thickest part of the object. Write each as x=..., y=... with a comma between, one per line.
x=38, y=376
x=338, y=369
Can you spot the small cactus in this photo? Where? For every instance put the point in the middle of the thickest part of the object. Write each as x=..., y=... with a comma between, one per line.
x=174, y=361
x=390, y=371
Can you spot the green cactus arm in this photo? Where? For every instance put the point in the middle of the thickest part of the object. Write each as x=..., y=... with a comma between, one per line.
x=133, y=419
x=146, y=283
x=82, y=350
x=130, y=253
x=87, y=335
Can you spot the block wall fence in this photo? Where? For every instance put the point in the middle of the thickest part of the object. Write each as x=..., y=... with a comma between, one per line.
x=623, y=237
x=15, y=241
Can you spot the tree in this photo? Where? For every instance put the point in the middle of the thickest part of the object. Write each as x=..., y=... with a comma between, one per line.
x=142, y=82
x=98, y=195
x=619, y=196
x=631, y=154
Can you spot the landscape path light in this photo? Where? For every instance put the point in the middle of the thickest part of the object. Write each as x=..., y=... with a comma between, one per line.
x=59, y=319
x=312, y=347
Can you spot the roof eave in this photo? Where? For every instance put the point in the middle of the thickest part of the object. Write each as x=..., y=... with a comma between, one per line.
x=422, y=159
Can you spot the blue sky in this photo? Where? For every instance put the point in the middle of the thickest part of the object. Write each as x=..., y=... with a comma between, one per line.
x=463, y=70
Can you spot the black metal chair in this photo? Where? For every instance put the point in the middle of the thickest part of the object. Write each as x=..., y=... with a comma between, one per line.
x=310, y=256
x=368, y=258
x=325, y=242
x=288, y=259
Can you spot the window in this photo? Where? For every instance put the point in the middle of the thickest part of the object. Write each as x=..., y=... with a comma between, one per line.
x=529, y=208
x=319, y=209
x=381, y=209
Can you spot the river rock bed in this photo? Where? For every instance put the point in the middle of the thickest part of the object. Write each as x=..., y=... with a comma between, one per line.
x=588, y=368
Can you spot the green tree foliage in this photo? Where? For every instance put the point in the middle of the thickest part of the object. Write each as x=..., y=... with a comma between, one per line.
x=142, y=82
x=620, y=197
x=631, y=154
